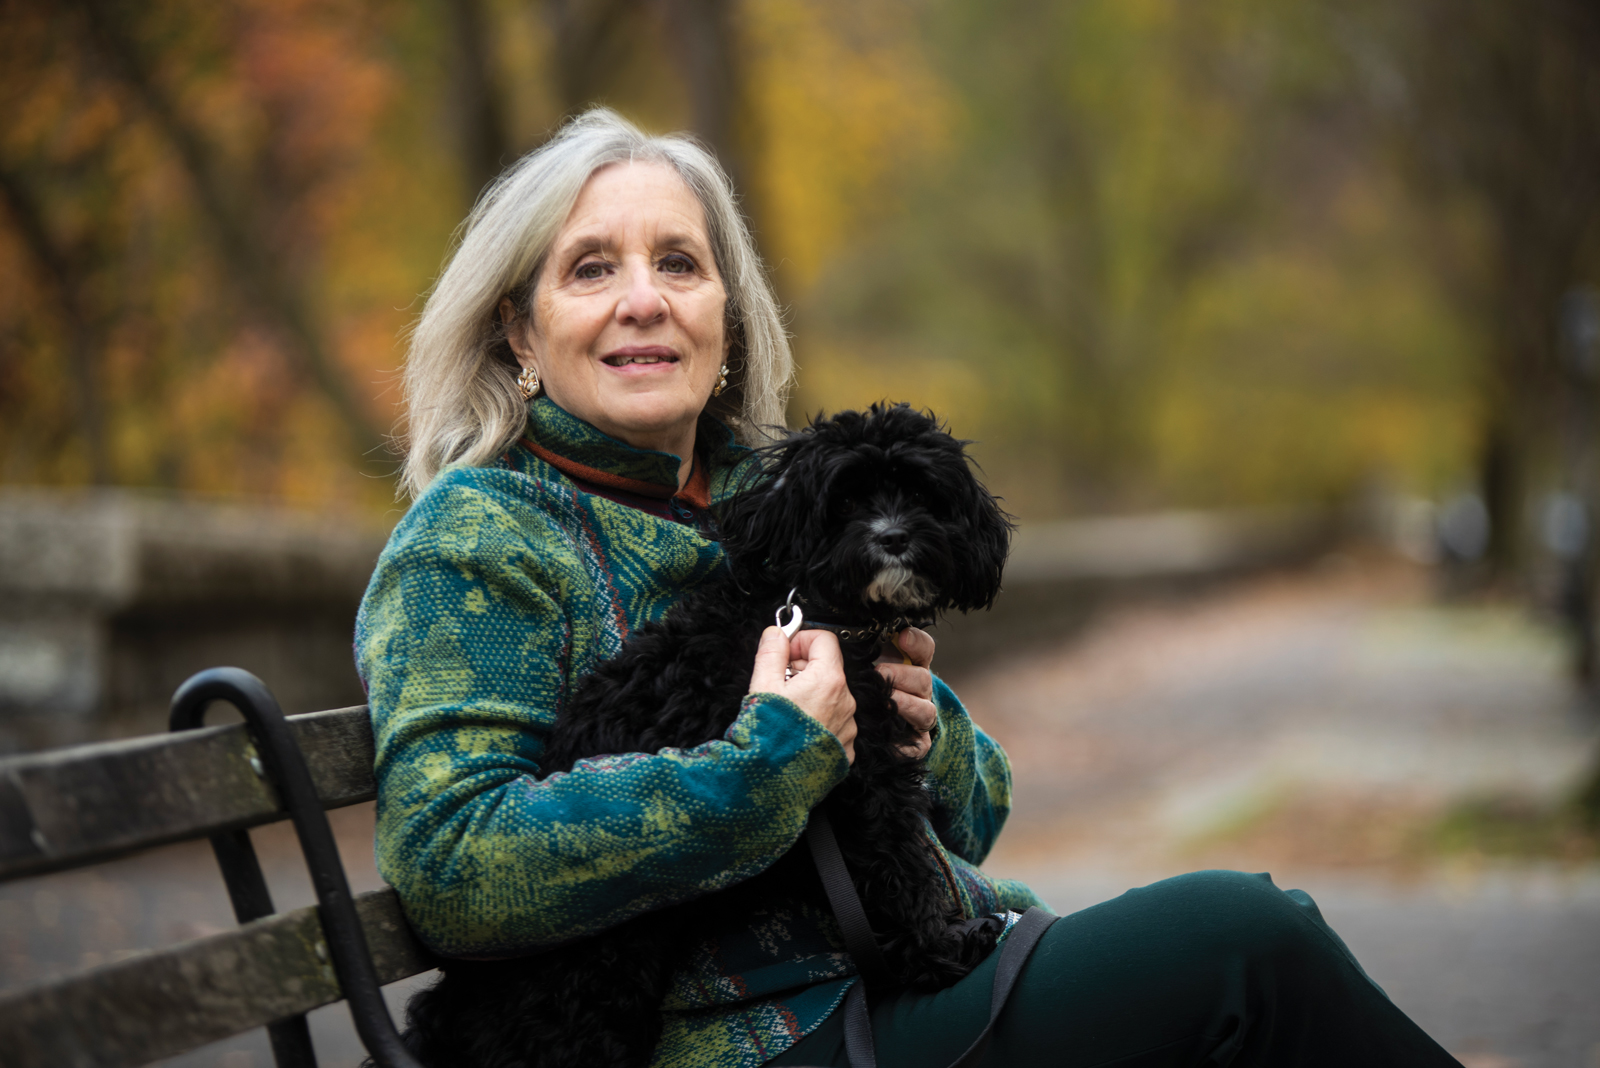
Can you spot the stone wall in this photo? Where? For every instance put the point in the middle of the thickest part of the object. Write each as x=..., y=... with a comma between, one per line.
x=111, y=598
x=1061, y=574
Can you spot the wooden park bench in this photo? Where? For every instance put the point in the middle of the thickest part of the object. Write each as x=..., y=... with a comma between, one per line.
x=78, y=806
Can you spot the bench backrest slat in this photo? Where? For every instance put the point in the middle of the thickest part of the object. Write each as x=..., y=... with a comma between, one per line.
x=168, y=1001
x=69, y=807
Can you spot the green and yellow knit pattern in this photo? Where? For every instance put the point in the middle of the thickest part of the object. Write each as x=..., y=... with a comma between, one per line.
x=498, y=590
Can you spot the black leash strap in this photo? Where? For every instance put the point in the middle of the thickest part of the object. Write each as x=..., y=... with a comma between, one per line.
x=863, y=946
x=846, y=903
x=1014, y=953
x=858, y=1047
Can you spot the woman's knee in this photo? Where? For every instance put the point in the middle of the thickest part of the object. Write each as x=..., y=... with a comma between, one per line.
x=1239, y=914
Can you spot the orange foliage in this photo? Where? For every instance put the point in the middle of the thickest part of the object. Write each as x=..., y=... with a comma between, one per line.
x=203, y=390
x=1132, y=245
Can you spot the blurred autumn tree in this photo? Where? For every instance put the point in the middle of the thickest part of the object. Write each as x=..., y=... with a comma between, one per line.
x=185, y=180
x=217, y=218
x=1148, y=252
x=1164, y=259
x=1498, y=108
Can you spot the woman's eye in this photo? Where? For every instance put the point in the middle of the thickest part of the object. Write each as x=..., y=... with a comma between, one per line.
x=591, y=270
x=677, y=265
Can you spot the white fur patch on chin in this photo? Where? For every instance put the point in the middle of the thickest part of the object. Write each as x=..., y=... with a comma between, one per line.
x=900, y=587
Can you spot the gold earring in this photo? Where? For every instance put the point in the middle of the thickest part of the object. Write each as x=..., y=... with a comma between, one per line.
x=528, y=383
x=722, y=382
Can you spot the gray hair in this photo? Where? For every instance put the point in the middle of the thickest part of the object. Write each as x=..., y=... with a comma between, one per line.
x=462, y=402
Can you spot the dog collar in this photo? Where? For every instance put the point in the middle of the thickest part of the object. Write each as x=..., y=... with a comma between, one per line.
x=874, y=630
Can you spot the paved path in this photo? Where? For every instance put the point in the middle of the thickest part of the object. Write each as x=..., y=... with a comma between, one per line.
x=1306, y=726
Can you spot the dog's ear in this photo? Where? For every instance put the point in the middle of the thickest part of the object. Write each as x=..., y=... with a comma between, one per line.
x=982, y=551
x=770, y=528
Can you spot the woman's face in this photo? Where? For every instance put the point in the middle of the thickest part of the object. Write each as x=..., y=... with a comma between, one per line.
x=627, y=326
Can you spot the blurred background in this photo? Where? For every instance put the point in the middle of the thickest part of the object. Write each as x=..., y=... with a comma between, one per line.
x=1273, y=321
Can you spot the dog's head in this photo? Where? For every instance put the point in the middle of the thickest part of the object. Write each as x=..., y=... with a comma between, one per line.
x=876, y=511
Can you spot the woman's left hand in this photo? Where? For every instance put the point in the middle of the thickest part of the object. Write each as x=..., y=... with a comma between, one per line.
x=913, y=687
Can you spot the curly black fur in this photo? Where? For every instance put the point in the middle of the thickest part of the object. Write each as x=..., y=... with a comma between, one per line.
x=874, y=512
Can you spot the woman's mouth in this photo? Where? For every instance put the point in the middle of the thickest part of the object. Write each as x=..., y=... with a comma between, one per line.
x=635, y=355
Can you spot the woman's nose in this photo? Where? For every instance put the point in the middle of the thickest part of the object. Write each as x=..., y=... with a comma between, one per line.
x=642, y=302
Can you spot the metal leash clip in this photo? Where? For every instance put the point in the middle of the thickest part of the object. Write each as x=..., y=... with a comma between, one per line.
x=796, y=617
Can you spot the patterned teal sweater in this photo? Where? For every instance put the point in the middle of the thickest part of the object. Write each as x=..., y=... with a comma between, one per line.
x=499, y=589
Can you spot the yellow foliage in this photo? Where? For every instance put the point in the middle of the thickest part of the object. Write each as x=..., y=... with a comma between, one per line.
x=1131, y=285
x=844, y=97
x=952, y=388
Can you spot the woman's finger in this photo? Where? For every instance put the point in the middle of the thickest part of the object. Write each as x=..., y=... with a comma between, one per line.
x=917, y=681
x=819, y=687
x=921, y=714
x=918, y=749
x=772, y=656
x=815, y=645
x=917, y=645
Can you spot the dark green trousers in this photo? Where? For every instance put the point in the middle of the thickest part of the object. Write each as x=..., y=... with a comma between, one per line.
x=1210, y=968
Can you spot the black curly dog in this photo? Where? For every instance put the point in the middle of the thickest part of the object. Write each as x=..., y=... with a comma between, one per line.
x=877, y=519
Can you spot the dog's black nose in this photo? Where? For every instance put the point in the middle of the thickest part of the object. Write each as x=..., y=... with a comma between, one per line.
x=895, y=541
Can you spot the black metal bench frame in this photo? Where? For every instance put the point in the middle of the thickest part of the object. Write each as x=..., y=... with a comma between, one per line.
x=79, y=806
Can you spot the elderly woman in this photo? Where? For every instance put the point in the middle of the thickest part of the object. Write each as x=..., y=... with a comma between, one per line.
x=584, y=386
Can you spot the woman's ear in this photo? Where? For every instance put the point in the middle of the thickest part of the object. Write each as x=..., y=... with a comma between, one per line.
x=516, y=330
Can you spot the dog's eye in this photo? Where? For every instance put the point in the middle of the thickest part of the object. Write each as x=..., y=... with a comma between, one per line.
x=847, y=506
x=930, y=502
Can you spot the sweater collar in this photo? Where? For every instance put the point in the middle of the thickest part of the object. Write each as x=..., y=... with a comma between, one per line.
x=582, y=451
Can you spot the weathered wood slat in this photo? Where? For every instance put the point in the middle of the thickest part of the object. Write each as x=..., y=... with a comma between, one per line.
x=339, y=751
x=169, y=1001
x=68, y=807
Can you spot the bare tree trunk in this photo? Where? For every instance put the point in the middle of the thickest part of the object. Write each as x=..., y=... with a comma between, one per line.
x=1500, y=471
x=586, y=34
x=702, y=33
x=1506, y=105
x=479, y=101
x=66, y=279
x=235, y=225
x=591, y=37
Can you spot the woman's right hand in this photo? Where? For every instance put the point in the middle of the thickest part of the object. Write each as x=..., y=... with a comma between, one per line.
x=818, y=684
